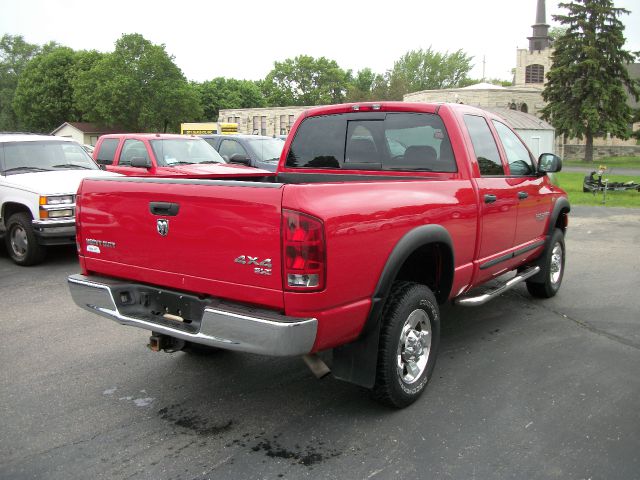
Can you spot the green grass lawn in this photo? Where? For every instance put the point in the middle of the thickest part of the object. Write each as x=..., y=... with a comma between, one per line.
x=610, y=162
x=572, y=184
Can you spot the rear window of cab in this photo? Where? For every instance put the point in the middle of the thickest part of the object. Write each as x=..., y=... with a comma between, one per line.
x=373, y=141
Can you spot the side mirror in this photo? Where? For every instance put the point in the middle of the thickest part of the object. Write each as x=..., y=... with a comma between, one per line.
x=549, y=163
x=140, y=162
x=239, y=158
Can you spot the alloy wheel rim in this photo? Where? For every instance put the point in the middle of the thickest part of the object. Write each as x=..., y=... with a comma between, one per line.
x=555, y=270
x=414, y=346
x=19, y=242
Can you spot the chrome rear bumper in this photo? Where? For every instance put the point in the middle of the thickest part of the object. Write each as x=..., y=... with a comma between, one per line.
x=224, y=325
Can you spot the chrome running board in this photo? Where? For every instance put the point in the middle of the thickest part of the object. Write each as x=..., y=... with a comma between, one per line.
x=484, y=298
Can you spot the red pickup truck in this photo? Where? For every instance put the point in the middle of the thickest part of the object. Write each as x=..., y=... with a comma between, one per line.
x=165, y=155
x=378, y=214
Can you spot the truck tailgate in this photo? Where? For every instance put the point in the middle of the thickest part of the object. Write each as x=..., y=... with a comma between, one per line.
x=202, y=236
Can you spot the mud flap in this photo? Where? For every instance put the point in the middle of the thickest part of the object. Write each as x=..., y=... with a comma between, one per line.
x=356, y=362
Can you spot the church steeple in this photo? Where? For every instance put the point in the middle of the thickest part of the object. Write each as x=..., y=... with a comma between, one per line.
x=540, y=40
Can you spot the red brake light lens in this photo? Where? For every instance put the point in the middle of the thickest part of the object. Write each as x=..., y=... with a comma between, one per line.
x=303, y=252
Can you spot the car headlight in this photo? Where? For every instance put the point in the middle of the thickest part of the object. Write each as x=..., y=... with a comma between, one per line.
x=57, y=200
x=57, y=206
x=67, y=212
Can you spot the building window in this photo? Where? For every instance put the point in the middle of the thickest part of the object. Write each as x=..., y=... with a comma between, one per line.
x=256, y=126
x=524, y=108
x=291, y=120
x=534, y=74
x=263, y=125
x=284, y=128
x=230, y=119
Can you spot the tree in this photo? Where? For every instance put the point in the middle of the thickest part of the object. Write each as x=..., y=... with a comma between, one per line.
x=556, y=32
x=305, y=80
x=44, y=95
x=428, y=70
x=494, y=81
x=585, y=87
x=367, y=86
x=137, y=87
x=15, y=53
x=221, y=93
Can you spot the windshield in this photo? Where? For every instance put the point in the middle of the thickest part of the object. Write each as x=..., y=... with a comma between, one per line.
x=42, y=156
x=178, y=151
x=267, y=148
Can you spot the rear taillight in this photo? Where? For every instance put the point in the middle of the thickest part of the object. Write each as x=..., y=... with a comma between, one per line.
x=303, y=252
x=78, y=234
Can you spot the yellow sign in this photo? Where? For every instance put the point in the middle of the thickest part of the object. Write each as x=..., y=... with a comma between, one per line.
x=198, y=128
x=201, y=128
x=228, y=128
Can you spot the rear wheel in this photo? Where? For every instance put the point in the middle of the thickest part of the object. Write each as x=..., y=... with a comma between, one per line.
x=22, y=243
x=548, y=283
x=409, y=343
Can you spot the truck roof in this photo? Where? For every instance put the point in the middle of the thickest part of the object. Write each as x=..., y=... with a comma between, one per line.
x=388, y=106
x=30, y=137
x=150, y=136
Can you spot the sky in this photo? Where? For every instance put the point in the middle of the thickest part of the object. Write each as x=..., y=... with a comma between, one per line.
x=243, y=39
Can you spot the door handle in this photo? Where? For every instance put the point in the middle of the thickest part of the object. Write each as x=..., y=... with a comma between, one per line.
x=522, y=195
x=490, y=198
x=164, y=208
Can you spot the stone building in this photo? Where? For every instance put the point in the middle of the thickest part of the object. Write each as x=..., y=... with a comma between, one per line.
x=270, y=121
x=533, y=63
x=525, y=98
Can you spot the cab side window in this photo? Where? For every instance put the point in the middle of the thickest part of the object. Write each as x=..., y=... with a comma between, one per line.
x=484, y=146
x=132, y=149
x=107, y=151
x=518, y=157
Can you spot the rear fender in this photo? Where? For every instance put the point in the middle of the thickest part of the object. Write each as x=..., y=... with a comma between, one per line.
x=356, y=362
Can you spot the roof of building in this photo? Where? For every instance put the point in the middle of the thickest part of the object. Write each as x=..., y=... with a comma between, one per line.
x=88, y=127
x=483, y=86
x=529, y=88
x=520, y=120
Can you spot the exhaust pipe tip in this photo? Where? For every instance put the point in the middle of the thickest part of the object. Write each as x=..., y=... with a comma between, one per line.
x=316, y=365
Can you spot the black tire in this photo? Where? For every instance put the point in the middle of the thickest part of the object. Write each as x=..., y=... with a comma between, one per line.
x=547, y=283
x=22, y=243
x=395, y=384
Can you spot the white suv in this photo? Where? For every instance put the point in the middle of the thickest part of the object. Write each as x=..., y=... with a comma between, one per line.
x=39, y=177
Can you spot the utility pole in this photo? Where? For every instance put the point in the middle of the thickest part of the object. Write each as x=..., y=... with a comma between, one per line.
x=484, y=64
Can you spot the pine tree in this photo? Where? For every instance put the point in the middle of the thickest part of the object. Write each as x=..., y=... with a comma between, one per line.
x=585, y=87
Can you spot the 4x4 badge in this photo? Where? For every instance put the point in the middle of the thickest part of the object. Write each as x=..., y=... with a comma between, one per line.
x=261, y=267
x=163, y=227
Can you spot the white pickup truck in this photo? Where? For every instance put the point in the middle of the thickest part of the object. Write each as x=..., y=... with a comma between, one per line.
x=39, y=177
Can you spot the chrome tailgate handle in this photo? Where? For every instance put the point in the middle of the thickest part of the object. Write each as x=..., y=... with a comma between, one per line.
x=164, y=208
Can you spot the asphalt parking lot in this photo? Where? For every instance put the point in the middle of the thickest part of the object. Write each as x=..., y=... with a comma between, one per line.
x=523, y=389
